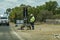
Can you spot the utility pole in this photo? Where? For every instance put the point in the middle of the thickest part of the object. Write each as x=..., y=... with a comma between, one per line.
x=25, y=17
x=25, y=14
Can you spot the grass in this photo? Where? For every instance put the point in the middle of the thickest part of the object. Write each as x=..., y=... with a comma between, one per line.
x=41, y=32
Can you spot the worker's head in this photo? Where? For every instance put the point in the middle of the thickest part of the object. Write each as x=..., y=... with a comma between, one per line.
x=31, y=14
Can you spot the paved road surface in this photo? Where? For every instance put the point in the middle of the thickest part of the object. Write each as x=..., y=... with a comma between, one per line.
x=7, y=34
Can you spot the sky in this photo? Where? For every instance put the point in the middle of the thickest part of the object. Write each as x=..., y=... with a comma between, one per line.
x=4, y=4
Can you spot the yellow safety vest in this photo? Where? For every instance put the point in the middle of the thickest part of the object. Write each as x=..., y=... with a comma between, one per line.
x=32, y=19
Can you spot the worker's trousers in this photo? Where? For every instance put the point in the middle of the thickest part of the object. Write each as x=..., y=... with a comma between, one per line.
x=32, y=24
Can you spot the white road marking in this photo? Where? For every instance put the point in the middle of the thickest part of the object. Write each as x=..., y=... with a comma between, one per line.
x=18, y=35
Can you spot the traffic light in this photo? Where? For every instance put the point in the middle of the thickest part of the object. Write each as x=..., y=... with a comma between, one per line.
x=25, y=12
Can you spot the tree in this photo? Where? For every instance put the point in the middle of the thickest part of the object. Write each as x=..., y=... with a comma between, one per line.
x=57, y=11
x=17, y=13
x=51, y=6
x=41, y=13
x=57, y=16
x=44, y=14
x=8, y=11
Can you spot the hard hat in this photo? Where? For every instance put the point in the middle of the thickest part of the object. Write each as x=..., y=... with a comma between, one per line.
x=31, y=14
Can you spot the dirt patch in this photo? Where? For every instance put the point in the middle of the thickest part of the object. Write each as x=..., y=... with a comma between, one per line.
x=41, y=32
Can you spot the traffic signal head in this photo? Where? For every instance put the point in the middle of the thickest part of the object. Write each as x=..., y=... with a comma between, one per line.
x=25, y=11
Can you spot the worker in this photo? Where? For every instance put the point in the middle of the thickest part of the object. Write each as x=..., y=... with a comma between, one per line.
x=32, y=20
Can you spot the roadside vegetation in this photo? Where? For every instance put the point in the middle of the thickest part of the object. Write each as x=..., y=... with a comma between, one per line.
x=49, y=10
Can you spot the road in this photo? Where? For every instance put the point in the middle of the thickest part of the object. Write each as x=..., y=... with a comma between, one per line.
x=47, y=32
x=7, y=34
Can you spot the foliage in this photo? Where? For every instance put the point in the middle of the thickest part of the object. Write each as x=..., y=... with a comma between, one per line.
x=41, y=13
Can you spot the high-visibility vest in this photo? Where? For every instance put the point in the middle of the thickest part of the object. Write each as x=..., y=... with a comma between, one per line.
x=32, y=19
